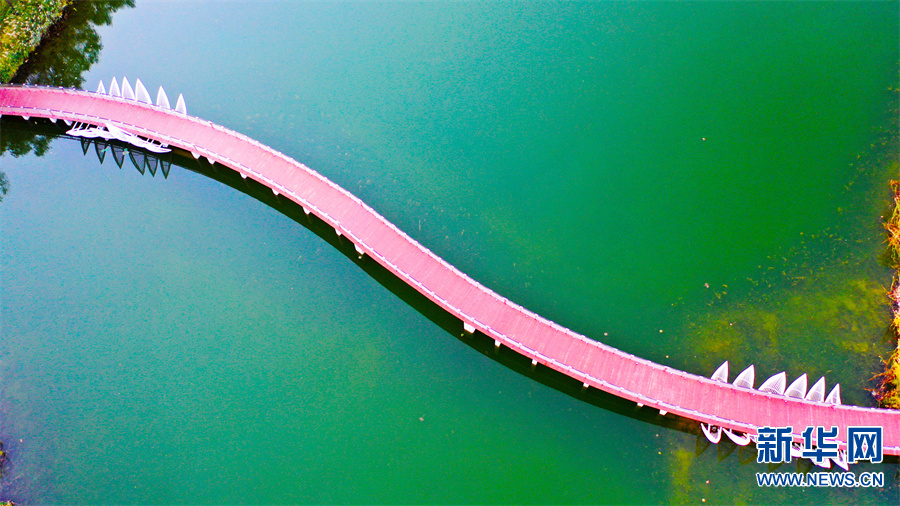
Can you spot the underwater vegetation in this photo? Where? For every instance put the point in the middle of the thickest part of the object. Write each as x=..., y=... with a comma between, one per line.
x=831, y=325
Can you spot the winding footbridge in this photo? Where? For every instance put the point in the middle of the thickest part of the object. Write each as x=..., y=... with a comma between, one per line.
x=739, y=408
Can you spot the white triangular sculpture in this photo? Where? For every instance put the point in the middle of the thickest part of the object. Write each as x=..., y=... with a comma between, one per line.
x=797, y=388
x=127, y=92
x=817, y=392
x=745, y=379
x=141, y=93
x=101, y=89
x=841, y=460
x=114, y=88
x=825, y=464
x=179, y=106
x=721, y=373
x=835, y=396
x=161, y=99
x=714, y=432
x=775, y=384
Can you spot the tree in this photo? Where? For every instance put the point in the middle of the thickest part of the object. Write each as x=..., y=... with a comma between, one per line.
x=68, y=49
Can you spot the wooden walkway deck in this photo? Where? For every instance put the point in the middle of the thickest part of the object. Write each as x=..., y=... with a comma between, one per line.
x=478, y=308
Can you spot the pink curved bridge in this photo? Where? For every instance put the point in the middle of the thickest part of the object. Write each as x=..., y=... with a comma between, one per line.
x=478, y=308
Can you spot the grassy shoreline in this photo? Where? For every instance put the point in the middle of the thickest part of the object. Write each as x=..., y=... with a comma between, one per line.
x=22, y=26
x=888, y=391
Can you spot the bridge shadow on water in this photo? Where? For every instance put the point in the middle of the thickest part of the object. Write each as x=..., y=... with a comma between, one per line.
x=124, y=155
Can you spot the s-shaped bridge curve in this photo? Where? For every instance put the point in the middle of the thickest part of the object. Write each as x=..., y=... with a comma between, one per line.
x=479, y=309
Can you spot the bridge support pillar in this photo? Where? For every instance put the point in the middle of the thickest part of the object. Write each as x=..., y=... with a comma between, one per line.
x=359, y=251
x=663, y=412
x=533, y=363
x=497, y=344
x=468, y=328
x=584, y=386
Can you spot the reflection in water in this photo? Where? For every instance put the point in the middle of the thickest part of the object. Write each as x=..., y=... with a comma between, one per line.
x=142, y=160
x=66, y=52
x=4, y=185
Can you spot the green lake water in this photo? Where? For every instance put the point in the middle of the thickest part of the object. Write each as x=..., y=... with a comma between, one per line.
x=177, y=341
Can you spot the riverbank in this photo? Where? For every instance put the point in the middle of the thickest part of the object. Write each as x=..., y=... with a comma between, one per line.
x=888, y=392
x=22, y=26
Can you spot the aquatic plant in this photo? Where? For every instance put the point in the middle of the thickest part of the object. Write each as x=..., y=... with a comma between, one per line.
x=682, y=491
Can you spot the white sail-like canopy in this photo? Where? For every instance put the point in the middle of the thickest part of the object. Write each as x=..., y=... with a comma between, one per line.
x=114, y=88
x=817, y=392
x=161, y=99
x=841, y=460
x=141, y=93
x=721, y=373
x=101, y=89
x=775, y=384
x=797, y=388
x=745, y=379
x=835, y=396
x=179, y=106
x=127, y=91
